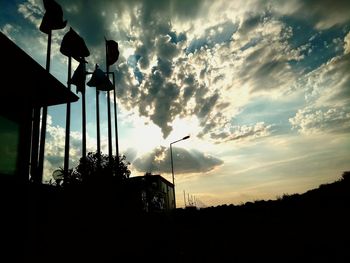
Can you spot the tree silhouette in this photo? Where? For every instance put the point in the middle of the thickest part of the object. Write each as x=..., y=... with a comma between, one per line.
x=98, y=166
x=94, y=168
x=60, y=178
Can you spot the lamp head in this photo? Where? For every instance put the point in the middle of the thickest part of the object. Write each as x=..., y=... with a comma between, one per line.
x=186, y=137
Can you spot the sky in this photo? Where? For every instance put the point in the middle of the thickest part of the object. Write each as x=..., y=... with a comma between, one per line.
x=262, y=87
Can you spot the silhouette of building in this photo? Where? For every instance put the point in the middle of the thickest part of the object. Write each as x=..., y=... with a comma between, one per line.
x=24, y=85
x=150, y=193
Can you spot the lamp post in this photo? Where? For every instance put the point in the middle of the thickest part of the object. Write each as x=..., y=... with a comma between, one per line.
x=172, y=165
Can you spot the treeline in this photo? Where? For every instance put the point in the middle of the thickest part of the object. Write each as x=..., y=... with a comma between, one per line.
x=332, y=194
x=309, y=227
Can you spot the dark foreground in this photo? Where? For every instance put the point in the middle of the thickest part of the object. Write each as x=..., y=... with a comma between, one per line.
x=47, y=224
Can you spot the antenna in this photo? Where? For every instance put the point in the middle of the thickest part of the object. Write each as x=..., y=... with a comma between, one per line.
x=185, y=198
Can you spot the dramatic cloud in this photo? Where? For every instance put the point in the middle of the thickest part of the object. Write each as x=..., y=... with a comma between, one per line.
x=173, y=64
x=246, y=79
x=185, y=161
x=263, y=56
x=327, y=96
x=322, y=13
x=328, y=86
x=312, y=121
x=170, y=69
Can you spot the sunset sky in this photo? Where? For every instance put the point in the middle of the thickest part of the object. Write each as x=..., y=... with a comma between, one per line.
x=261, y=86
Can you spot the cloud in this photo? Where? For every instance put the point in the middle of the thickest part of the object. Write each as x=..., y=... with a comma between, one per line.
x=9, y=30
x=347, y=44
x=55, y=145
x=165, y=81
x=216, y=34
x=328, y=85
x=326, y=120
x=130, y=154
x=32, y=10
x=185, y=161
x=327, y=98
x=170, y=72
x=175, y=64
x=323, y=14
x=239, y=132
x=264, y=55
x=54, y=148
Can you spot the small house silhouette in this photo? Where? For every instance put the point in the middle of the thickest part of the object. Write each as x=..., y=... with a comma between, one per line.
x=150, y=193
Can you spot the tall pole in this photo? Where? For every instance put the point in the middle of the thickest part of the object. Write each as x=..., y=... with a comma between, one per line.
x=115, y=119
x=66, y=148
x=172, y=172
x=98, y=135
x=35, y=144
x=44, y=115
x=185, y=198
x=110, y=153
x=84, y=124
x=172, y=165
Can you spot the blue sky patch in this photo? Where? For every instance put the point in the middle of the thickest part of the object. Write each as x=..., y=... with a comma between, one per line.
x=174, y=38
x=132, y=62
x=324, y=44
x=268, y=111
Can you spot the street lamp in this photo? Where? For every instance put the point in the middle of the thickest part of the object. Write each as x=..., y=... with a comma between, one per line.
x=172, y=165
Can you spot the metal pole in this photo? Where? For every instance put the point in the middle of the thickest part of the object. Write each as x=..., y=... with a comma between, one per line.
x=35, y=144
x=172, y=172
x=98, y=122
x=84, y=124
x=44, y=115
x=115, y=119
x=110, y=153
x=172, y=164
x=83, y=105
x=66, y=148
x=185, y=198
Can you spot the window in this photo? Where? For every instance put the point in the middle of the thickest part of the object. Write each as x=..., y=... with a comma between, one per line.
x=9, y=137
